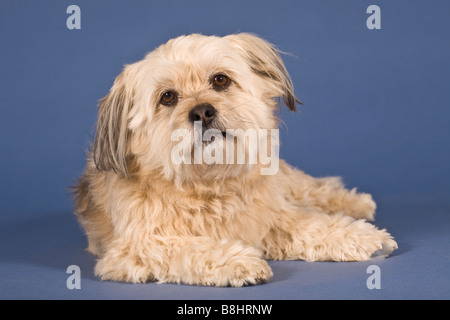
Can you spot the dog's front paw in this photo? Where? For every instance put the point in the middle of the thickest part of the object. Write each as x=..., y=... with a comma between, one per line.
x=234, y=265
x=123, y=269
x=246, y=272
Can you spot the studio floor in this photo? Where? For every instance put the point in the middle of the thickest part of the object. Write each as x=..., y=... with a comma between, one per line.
x=36, y=251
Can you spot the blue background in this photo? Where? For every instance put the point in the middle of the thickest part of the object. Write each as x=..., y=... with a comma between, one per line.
x=376, y=110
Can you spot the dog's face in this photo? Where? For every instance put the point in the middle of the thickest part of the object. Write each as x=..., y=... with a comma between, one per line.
x=194, y=83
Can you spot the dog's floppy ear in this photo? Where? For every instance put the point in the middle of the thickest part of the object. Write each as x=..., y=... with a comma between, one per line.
x=112, y=133
x=265, y=60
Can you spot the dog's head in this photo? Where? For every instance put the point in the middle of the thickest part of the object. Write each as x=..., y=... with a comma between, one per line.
x=192, y=84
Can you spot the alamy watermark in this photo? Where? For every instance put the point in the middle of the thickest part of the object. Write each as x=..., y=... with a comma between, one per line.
x=232, y=146
x=374, y=20
x=74, y=280
x=74, y=20
x=374, y=280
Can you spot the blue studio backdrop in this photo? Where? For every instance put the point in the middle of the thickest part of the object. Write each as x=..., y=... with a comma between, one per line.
x=376, y=111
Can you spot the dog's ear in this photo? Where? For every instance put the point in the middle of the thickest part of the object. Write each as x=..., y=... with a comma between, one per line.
x=112, y=134
x=264, y=59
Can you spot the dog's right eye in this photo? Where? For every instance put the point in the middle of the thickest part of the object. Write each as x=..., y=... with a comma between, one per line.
x=169, y=98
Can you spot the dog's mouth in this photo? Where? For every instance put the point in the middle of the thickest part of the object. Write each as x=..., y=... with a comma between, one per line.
x=213, y=138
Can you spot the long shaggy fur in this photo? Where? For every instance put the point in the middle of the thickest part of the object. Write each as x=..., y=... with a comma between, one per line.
x=149, y=219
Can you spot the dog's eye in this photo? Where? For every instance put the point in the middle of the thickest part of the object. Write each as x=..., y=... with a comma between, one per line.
x=169, y=98
x=220, y=82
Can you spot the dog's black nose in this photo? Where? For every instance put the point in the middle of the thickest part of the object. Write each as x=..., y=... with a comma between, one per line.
x=204, y=113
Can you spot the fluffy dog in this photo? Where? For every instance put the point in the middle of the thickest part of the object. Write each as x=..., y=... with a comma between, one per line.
x=150, y=218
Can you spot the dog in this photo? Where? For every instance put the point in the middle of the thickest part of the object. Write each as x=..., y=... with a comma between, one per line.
x=149, y=218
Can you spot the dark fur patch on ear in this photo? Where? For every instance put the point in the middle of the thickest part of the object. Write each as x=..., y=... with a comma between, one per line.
x=265, y=60
x=291, y=102
x=112, y=134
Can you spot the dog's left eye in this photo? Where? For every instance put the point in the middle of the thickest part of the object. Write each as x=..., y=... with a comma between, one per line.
x=220, y=82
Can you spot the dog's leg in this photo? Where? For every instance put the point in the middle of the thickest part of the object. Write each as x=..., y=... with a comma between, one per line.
x=199, y=261
x=325, y=194
x=331, y=196
x=315, y=236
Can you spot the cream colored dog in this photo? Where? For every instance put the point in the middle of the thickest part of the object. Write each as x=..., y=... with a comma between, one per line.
x=149, y=218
